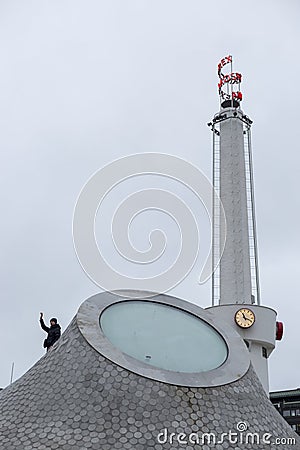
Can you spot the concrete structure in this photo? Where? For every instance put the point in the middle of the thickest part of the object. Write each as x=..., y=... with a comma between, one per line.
x=146, y=371
x=237, y=279
x=236, y=282
x=260, y=338
x=74, y=398
x=235, y=274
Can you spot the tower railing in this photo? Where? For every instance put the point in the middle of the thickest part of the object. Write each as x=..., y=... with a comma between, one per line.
x=251, y=214
x=216, y=216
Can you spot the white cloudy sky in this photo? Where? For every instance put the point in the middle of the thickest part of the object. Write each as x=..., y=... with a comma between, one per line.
x=85, y=82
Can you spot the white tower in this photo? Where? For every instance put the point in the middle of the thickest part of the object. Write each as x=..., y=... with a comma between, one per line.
x=235, y=287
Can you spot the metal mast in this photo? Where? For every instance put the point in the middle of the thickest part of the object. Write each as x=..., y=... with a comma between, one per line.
x=236, y=279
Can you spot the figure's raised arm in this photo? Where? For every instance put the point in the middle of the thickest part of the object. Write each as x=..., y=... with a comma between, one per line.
x=44, y=327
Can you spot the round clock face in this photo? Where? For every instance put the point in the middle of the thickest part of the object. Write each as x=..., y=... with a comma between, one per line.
x=244, y=318
x=164, y=337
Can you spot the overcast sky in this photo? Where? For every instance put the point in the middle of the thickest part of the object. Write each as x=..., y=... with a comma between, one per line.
x=85, y=82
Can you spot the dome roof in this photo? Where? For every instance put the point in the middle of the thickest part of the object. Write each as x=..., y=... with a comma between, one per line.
x=74, y=398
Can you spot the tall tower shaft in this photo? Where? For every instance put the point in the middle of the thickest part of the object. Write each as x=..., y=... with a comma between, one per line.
x=235, y=287
x=235, y=275
x=236, y=279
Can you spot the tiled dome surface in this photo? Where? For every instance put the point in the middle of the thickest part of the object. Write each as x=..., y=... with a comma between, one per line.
x=75, y=399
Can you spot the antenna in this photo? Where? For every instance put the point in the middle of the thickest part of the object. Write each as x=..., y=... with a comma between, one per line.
x=12, y=372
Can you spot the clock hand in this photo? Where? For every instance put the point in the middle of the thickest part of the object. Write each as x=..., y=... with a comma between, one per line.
x=245, y=318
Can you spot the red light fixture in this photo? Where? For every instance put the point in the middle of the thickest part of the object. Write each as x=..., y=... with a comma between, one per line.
x=279, y=331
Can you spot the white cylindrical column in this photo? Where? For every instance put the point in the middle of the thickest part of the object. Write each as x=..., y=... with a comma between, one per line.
x=235, y=274
x=259, y=338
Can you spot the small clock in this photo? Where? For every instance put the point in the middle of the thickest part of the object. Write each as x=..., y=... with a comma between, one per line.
x=244, y=318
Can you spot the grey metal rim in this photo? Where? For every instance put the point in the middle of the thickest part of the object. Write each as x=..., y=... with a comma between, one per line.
x=235, y=366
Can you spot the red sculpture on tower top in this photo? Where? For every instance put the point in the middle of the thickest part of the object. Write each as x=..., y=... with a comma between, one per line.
x=229, y=84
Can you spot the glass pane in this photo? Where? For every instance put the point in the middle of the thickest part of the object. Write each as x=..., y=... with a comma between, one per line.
x=163, y=336
x=286, y=413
